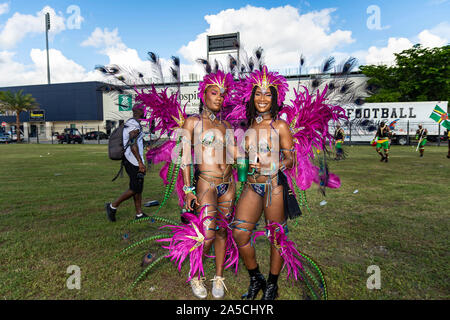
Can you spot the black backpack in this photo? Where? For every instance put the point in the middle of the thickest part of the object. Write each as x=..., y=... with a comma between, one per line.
x=116, y=148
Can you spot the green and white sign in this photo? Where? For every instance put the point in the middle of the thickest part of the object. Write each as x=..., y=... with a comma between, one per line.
x=125, y=102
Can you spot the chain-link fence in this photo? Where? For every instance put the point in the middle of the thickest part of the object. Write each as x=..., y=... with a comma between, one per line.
x=360, y=131
x=84, y=135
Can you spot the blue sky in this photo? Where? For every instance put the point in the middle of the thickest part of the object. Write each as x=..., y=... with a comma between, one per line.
x=167, y=26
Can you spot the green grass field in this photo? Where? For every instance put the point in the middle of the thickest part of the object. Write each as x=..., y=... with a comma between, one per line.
x=52, y=216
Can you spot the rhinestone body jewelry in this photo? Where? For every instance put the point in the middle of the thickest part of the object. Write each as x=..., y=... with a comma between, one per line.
x=259, y=118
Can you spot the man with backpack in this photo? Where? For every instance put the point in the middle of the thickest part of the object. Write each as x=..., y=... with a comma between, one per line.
x=132, y=148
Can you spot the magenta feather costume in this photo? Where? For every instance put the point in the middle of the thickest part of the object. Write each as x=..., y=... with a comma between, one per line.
x=308, y=118
x=187, y=240
x=167, y=114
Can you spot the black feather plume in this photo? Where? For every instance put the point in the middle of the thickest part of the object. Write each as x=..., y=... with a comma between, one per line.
x=216, y=66
x=205, y=64
x=328, y=64
x=113, y=69
x=315, y=82
x=102, y=69
x=359, y=101
x=371, y=89
x=153, y=57
x=251, y=64
x=232, y=62
x=346, y=87
x=258, y=53
x=331, y=86
x=174, y=73
x=348, y=65
x=176, y=61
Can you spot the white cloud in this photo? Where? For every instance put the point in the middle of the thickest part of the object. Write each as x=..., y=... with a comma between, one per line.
x=431, y=40
x=281, y=31
x=4, y=8
x=62, y=69
x=104, y=39
x=386, y=55
x=110, y=44
x=20, y=25
x=435, y=37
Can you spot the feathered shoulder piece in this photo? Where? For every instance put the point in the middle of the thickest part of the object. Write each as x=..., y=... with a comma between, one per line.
x=308, y=118
x=164, y=108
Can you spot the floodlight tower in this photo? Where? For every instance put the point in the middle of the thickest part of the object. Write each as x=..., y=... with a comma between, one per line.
x=47, y=27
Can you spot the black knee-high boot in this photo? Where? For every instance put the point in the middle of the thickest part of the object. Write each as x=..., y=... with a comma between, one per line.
x=272, y=288
x=257, y=282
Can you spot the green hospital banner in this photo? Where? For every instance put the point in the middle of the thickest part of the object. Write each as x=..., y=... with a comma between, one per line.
x=125, y=102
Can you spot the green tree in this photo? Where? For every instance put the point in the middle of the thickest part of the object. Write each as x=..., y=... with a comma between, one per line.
x=419, y=74
x=17, y=102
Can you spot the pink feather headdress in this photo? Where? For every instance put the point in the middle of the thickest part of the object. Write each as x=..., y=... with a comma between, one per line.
x=223, y=80
x=265, y=79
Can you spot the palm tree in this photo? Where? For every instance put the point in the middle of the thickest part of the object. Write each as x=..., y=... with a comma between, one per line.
x=17, y=102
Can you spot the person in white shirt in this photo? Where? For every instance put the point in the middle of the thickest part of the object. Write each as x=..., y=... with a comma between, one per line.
x=134, y=164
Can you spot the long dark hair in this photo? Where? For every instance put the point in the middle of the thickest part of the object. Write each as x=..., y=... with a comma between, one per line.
x=251, y=108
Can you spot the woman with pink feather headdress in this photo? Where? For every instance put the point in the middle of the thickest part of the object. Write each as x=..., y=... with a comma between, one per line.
x=278, y=146
x=205, y=184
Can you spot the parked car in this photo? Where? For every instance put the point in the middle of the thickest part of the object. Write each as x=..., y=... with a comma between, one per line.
x=5, y=138
x=13, y=135
x=94, y=135
x=70, y=135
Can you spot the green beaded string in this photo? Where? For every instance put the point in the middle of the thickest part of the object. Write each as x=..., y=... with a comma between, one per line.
x=319, y=271
x=305, y=280
x=300, y=196
x=241, y=187
x=306, y=202
x=161, y=236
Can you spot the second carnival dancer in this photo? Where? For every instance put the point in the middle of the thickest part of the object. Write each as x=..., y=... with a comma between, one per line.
x=421, y=136
x=272, y=152
x=382, y=140
x=212, y=193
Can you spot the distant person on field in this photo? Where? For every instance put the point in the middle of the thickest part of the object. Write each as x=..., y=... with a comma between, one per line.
x=339, y=136
x=382, y=139
x=448, y=135
x=421, y=136
x=134, y=164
